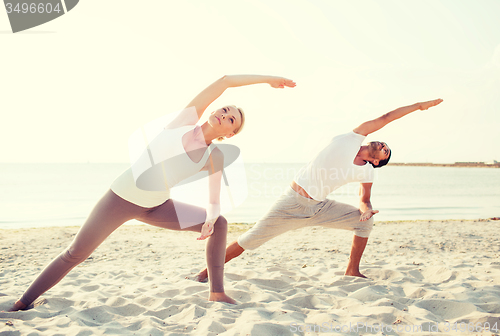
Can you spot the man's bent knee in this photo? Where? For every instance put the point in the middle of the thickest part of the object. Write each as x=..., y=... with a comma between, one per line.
x=365, y=229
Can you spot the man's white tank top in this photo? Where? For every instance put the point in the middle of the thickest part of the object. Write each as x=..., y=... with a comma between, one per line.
x=333, y=167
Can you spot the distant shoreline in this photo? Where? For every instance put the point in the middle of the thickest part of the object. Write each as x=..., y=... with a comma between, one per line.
x=456, y=164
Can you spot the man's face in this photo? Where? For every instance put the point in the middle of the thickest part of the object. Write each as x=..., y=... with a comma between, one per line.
x=378, y=151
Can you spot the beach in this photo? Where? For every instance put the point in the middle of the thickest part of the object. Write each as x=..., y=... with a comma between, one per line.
x=439, y=276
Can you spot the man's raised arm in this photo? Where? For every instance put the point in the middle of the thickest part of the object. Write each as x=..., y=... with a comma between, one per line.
x=376, y=124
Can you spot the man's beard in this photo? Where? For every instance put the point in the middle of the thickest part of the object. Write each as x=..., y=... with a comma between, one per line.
x=373, y=148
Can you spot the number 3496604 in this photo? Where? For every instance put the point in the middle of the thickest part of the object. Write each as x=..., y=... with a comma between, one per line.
x=32, y=8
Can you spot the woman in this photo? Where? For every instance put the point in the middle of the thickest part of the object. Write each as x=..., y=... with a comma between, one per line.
x=125, y=200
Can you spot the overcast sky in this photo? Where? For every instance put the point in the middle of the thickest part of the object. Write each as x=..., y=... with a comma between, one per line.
x=74, y=89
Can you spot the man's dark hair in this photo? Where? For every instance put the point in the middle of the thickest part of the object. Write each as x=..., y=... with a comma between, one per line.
x=383, y=162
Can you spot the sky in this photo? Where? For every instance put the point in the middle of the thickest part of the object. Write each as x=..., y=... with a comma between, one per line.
x=74, y=89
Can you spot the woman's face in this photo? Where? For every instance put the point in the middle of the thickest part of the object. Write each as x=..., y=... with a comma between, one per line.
x=225, y=120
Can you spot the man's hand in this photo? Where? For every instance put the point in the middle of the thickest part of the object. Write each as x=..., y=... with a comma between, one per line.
x=367, y=215
x=430, y=103
x=206, y=230
x=281, y=82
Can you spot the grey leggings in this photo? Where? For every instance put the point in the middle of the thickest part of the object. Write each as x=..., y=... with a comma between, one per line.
x=112, y=211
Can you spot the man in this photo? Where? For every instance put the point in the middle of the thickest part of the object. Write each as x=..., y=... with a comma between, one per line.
x=342, y=161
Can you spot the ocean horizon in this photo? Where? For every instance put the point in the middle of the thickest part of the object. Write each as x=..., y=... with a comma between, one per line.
x=63, y=194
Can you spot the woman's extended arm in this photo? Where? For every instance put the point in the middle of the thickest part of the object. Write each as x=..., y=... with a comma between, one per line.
x=214, y=90
x=215, y=167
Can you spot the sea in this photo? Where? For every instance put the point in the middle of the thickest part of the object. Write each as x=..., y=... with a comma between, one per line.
x=63, y=194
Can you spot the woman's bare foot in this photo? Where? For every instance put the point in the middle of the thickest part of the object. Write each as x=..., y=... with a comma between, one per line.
x=18, y=306
x=355, y=273
x=220, y=297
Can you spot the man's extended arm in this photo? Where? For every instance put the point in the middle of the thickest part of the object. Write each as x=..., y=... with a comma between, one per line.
x=376, y=124
x=365, y=206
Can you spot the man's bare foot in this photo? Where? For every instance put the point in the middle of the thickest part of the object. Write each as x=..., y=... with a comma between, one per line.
x=17, y=306
x=355, y=273
x=201, y=277
x=220, y=297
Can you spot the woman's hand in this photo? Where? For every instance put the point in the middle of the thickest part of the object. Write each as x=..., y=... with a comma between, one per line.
x=213, y=212
x=430, y=103
x=206, y=230
x=281, y=82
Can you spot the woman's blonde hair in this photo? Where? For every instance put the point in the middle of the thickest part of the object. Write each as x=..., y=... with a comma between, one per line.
x=238, y=130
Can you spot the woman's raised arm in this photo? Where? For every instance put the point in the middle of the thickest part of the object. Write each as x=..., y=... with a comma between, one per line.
x=214, y=90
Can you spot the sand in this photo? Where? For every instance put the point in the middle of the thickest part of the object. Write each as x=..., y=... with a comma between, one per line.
x=422, y=274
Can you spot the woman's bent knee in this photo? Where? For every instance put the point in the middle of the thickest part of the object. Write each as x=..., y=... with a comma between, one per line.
x=221, y=225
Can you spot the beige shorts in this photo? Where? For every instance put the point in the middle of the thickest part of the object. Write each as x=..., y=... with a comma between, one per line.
x=293, y=211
